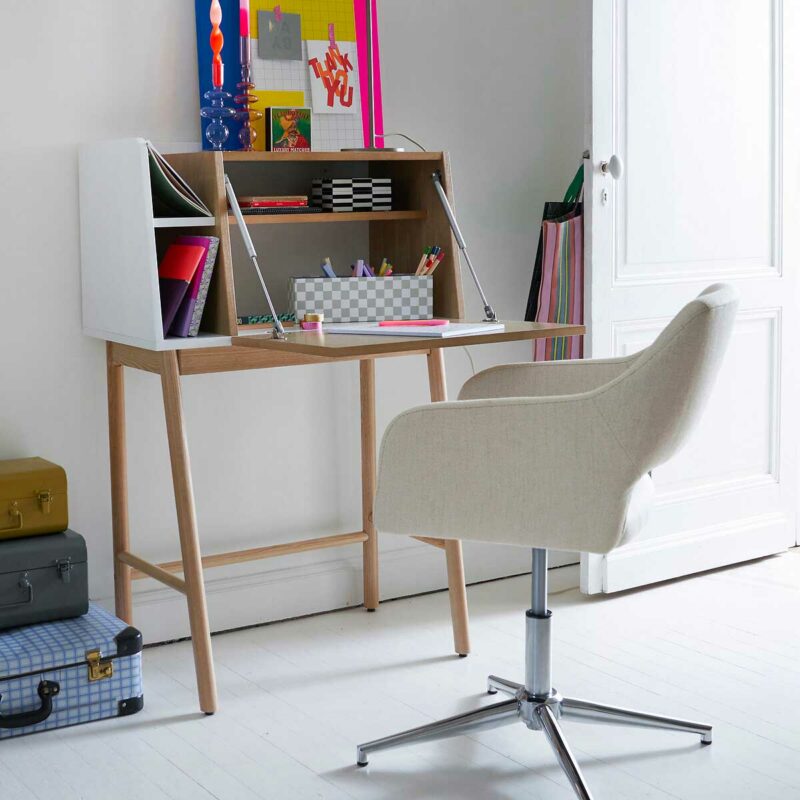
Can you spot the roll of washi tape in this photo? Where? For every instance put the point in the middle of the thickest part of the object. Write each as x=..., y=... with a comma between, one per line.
x=311, y=326
x=314, y=318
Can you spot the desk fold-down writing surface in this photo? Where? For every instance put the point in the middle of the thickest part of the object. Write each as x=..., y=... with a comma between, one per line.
x=348, y=346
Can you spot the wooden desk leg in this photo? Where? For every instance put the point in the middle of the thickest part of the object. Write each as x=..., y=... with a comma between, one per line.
x=118, y=455
x=452, y=547
x=187, y=529
x=370, y=555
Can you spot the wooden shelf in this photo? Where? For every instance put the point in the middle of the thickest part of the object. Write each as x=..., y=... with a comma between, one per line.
x=340, y=216
x=183, y=222
x=337, y=155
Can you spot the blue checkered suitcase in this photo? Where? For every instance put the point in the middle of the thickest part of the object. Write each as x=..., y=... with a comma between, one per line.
x=63, y=673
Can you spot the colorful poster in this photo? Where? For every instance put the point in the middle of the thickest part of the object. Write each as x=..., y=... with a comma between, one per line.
x=283, y=79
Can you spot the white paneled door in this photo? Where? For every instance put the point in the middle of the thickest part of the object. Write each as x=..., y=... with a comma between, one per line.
x=685, y=187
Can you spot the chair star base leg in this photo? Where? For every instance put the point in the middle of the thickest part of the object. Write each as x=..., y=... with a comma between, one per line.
x=586, y=711
x=495, y=685
x=538, y=714
x=480, y=719
x=553, y=734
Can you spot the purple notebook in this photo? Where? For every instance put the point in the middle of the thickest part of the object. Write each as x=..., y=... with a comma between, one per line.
x=175, y=273
x=189, y=314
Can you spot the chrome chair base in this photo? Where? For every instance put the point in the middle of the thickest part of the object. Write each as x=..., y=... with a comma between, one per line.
x=535, y=703
x=538, y=714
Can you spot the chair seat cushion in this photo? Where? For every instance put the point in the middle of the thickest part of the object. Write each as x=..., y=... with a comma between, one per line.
x=534, y=460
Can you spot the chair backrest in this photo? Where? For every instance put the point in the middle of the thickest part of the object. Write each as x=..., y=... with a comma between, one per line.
x=653, y=406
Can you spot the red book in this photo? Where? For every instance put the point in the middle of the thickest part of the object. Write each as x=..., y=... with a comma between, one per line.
x=175, y=273
x=287, y=201
x=276, y=204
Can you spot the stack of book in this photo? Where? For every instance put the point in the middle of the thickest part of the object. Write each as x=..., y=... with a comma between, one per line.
x=184, y=276
x=275, y=204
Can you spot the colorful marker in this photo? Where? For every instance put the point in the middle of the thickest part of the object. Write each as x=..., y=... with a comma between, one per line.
x=327, y=268
x=422, y=261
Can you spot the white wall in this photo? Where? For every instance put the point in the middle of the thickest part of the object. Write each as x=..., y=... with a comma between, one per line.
x=106, y=68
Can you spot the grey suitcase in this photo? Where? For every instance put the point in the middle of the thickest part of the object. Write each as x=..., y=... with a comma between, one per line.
x=43, y=578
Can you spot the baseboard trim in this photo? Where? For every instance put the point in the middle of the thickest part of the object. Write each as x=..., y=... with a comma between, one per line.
x=691, y=552
x=260, y=592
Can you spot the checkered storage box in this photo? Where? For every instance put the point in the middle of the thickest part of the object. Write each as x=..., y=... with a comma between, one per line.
x=363, y=299
x=36, y=658
x=352, y=194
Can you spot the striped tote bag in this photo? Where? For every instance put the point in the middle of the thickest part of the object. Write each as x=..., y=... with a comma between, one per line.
x=561, y=288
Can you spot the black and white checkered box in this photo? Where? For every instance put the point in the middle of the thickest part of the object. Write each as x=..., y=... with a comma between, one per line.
x=352, y=194
x=363, y=299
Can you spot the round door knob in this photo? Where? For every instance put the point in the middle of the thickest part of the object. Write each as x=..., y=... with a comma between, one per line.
x=613, y=167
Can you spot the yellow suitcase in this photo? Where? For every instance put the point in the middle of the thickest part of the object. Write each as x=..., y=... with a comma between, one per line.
x=33, y=498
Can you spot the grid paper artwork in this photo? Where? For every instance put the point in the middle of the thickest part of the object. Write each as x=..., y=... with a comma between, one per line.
x=330, y=131
x=363, y=299
x=44, y=650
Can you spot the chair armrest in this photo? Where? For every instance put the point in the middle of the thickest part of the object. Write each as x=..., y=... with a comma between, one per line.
x=538, y=472
x=544, y=379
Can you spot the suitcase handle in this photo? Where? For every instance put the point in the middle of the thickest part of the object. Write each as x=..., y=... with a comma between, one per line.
x=24, y=583
x=14, y=511
x=47, y=691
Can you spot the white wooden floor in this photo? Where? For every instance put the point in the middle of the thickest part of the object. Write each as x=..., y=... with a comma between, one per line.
x=296, y=697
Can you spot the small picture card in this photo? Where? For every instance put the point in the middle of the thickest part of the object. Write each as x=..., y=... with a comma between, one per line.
x=279, y=39
x=290, y=129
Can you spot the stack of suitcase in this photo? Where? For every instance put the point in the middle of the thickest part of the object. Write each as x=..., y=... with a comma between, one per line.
x=63, y=660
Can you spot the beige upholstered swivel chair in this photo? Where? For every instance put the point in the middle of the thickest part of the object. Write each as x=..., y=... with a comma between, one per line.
x=553, y=455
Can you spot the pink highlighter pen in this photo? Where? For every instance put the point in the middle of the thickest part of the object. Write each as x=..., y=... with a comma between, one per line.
x=409, y=323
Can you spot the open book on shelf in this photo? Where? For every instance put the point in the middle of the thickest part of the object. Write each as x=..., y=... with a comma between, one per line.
x=172, y=196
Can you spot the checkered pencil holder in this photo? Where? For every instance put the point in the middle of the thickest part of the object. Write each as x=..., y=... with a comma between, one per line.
x=363, y=299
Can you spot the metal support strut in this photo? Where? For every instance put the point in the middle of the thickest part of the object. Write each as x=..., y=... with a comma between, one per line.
x=277, y=329
x=462, y=245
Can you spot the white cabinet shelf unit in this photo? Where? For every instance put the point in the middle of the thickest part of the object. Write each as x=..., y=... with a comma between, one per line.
x=122, y=241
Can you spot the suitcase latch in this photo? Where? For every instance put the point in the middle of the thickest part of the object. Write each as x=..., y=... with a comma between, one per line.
x=64, y=568
x=99, y=669
x=45, y=498
x=15, y=513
